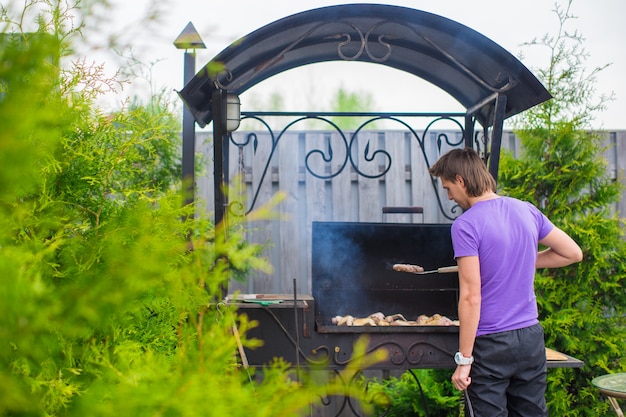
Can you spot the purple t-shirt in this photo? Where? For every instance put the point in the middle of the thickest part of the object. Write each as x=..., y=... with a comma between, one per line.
x=504, y=234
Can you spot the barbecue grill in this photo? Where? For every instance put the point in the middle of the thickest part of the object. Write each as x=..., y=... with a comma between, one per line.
x=352, y=274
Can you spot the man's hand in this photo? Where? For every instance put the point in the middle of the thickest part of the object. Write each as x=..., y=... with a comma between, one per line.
x=461, y=378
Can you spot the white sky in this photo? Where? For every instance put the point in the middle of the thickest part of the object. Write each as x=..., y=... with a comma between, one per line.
x=508, y=23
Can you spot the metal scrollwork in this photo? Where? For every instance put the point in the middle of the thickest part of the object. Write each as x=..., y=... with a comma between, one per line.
x=364, y=44
x=224, y=77
x=369, y=156
x=327, y=155
x=346, y=399
x=360, y=151
x=250, y=136
x=347, y=41
x=236, y=208
x=381, y=41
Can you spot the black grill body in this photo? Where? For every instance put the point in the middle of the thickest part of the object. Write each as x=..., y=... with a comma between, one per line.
x=352, y=274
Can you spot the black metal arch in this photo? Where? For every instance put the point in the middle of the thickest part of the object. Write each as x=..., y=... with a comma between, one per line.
x=487, y=80
x=467, y=65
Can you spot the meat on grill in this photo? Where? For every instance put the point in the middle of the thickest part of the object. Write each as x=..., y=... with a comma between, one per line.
x=379, y=319
x=408, y=268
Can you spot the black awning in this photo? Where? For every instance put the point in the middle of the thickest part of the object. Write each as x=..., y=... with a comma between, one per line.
x=467, y=65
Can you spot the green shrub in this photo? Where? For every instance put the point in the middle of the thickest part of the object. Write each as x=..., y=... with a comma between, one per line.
x=562, y=171
x=417, y=393
x=110, y=298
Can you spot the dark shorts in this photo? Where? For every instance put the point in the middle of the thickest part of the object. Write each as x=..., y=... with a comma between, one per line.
x=509, y=374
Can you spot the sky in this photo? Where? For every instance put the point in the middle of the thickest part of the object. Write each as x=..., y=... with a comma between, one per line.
x=146, y=30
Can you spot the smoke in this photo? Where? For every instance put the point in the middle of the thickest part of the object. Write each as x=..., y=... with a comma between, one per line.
x=352, y=269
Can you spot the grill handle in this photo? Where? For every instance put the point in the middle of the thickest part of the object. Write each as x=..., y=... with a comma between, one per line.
x=403, y=209
x=447, y=269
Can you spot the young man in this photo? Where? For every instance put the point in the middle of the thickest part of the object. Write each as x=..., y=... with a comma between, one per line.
x=501, y=360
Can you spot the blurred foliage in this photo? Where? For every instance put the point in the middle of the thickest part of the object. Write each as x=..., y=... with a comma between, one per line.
x=562, y=170
x=346, y=102
x=110, y=299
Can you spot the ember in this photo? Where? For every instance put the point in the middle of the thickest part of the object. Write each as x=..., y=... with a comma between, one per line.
x=379, y=319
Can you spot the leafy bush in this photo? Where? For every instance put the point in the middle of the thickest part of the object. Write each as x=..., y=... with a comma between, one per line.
x=562, y=170
x=417, y=393
x=110, y=298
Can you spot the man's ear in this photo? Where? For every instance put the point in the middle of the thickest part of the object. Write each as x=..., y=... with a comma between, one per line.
x=460, y=180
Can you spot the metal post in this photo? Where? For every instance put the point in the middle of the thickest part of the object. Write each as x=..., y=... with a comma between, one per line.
x=469, y=130
x=220, y=177
x=220, y=144
x=189, y=40
x=496, y=136
x=189, y=136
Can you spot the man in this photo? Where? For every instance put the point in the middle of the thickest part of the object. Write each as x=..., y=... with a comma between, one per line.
x=501, y=360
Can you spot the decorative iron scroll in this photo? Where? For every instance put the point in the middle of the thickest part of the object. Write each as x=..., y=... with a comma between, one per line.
x=399, y=355
x=345, y=150
x=411, y=355
x=346, y=399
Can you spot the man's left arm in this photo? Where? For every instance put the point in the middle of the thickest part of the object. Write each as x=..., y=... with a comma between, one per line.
x=562, y=250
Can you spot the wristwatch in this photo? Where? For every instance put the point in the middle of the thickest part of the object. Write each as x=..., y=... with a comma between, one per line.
x=462, y=360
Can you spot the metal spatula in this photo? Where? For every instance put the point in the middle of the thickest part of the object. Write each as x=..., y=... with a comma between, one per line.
x=442, y=270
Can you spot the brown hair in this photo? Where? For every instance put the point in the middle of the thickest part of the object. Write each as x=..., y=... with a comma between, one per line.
x=467, y=164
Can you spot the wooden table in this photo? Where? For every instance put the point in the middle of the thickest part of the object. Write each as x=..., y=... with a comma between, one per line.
x=613, y=386
x=557, y=359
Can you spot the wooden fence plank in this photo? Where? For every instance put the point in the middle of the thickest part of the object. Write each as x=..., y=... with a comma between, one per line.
x=289, y=235
x=204, y=177
x=368, y=162
x=343, y=198
x=417, y=183
x=397, y=192
x=262, y=232
x=316, y=196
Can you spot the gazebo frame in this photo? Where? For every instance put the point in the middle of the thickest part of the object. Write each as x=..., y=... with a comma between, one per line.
x=490, y=83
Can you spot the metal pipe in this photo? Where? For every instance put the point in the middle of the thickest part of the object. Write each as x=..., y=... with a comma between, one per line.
x=496, y=136
x=189, y=134
x=219, y=144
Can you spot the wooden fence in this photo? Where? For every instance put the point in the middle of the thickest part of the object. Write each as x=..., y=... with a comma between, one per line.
x=313, y=192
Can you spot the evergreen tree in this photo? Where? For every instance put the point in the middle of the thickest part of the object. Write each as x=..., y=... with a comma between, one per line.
x=563, y=172
x=105, y=310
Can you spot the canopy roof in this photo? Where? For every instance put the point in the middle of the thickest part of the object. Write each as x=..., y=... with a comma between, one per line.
x=467, y=65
